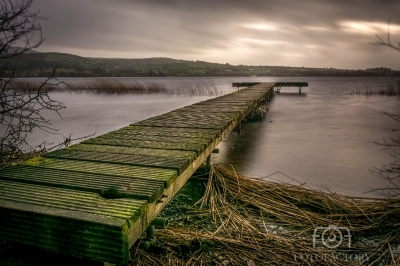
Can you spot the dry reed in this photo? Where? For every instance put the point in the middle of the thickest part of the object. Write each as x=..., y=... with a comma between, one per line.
x=96, y=86
x=389, y=91
x=243, y=221
x=122, y=86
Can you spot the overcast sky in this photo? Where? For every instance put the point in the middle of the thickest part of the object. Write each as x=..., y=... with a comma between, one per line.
x=310, y=33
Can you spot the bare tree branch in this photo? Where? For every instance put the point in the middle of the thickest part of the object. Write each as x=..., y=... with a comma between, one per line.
x=18, y=26
x=21, y=110
x=390, y=172
x=21, y=113
x=388, y=43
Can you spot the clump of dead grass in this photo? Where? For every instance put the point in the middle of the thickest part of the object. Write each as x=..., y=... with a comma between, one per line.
x=244, y=221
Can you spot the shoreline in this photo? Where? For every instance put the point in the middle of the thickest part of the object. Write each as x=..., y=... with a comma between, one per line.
x=272, y=214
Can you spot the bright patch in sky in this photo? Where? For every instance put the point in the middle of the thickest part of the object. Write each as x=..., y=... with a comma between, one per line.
x=365, y=27
x=261, y=26
x=316, y=28
x=262, y=42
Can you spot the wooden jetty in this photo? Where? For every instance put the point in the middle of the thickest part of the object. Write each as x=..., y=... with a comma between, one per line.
x=244, y=84
x=279, y=85
x=95, y=199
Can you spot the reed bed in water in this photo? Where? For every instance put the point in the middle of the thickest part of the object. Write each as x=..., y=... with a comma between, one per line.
x=115, y=86
x=95, y=86
x=390, y=91
x=243, y=221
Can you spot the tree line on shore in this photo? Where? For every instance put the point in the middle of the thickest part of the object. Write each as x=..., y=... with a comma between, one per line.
x=35, y=64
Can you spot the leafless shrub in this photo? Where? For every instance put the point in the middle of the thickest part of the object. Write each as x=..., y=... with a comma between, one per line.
x=21, y=109
x=387, y=43
x=391, y=171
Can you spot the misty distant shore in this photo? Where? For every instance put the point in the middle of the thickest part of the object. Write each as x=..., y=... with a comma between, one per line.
x=67, y=65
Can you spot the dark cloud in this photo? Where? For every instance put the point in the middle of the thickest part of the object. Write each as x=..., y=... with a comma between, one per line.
x=310, y=33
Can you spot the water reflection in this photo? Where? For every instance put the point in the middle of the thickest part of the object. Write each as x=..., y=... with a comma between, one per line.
x=322, y=141
x=318, y=138
x=294, y=94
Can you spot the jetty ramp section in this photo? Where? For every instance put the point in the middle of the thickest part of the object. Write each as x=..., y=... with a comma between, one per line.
x=96, y=198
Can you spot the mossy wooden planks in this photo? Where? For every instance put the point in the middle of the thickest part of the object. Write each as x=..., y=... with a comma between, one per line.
x=108, y=186
x=136, y=130
x=178, y=164
x=211, y=114
x=191, y=155
x=166, y=176
x=78, y=223
x=164, y=138
x=153, y=144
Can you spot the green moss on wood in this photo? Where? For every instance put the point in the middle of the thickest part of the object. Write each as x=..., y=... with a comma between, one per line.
x=36, y=161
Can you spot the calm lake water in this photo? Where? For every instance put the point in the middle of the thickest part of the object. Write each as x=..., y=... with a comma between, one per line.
x=322, y=138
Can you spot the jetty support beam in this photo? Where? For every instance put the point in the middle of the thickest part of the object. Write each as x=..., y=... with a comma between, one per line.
x=279, y=85
x=239, y=128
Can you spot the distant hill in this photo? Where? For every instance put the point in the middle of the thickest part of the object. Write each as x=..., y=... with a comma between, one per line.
x=35, y=64
x=14, y=49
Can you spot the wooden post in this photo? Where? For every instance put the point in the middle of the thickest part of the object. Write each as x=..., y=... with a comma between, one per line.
x=150, y=232
x=300, y=90
x=160, y=223
x=208, y=164
x=239, y=128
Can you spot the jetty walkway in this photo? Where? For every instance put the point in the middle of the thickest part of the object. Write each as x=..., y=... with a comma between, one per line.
x=96, y=198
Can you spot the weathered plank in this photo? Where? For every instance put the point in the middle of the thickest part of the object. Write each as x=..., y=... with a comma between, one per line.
x=178, y=164
x=244, y=84
x=148, y=144
x=291, y=84
x=134, y=129
x=107, y=186
x=191, y=155
x=78, y=223
x=166, y=176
